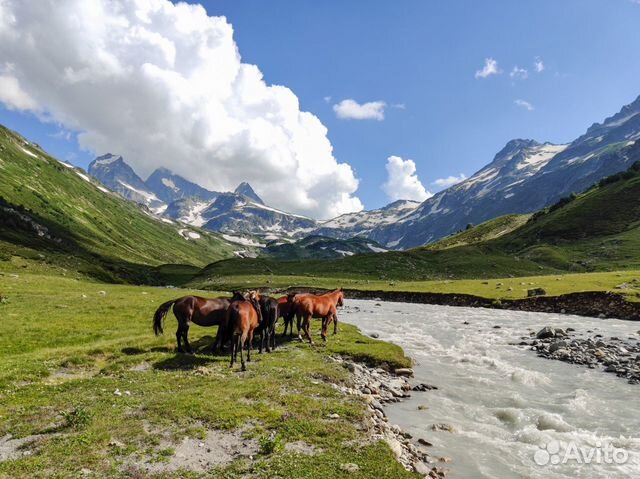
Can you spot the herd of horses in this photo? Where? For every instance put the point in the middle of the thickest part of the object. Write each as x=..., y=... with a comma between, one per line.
x=242, y=316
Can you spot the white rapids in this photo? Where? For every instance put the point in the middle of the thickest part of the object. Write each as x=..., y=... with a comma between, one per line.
x=514, y=414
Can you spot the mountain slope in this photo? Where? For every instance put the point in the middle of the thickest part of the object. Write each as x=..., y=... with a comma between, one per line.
x=320, y=247
x=234, y=213
x=486, y=231
x=363, y=223
x=118, y=176
x=524, y=177
x=52, y=209
x=170, y=187
x=598, y=230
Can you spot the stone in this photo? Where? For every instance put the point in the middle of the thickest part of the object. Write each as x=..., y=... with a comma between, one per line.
x=395, y=446
x=442, y=427
x=421, y=468
x=546, y=333
x=375, y=335
x=535, y=292
x=406, y=372
x=350, y=467
x=424, y=442
x=557, y=345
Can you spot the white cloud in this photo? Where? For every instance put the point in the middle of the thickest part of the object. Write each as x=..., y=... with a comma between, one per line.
x=519, y=73
x=538, y=64
x=13, y=96
x=163, y=84
x=524, y=104
x=490, y=68
x=403, y=182
x=352, y=110
x=449, y=181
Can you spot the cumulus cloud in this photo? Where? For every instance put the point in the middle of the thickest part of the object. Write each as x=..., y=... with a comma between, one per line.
x=163, y=84
x=352, y=110
x=524, y=104
x=490, y=68
x=519, y=73
x=403, y=182
x=449, y=181
x=538, y=64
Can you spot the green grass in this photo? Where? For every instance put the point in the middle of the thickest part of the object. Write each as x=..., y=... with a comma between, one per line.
x=106, y=236
x=486, y=231
x=67, y=345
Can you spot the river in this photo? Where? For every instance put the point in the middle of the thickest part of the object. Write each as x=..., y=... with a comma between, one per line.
x=514, y=415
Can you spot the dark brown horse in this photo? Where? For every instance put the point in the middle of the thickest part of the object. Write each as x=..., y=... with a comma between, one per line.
x=191, y=309
x=267, y=327
x=285, y=305
x=307, y=306
x=243, y=317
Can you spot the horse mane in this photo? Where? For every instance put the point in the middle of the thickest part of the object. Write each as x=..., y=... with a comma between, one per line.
x=237, y=296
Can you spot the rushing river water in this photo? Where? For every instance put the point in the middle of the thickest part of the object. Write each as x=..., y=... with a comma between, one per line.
x=515, y=415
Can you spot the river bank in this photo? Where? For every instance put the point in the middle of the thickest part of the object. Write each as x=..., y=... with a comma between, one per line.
x=597, y=304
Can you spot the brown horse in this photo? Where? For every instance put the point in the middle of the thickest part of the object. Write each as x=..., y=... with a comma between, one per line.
x=307, y=306
x=243, y=317
x=191, y=309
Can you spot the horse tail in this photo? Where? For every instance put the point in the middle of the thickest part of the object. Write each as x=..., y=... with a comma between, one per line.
x=158, y=317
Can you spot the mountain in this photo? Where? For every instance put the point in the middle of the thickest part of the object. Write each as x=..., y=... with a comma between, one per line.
x=170, y=187
x=524, y=177
x=363, y=223
x=598, y=230
x=55, y=215
x=244, y=189
x=320, y=247
x=234, y=213
x=118, y=176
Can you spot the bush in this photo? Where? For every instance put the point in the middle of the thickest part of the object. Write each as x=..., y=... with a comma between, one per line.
x=270, y=443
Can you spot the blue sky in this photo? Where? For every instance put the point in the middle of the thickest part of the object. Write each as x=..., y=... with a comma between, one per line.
x=420, y=58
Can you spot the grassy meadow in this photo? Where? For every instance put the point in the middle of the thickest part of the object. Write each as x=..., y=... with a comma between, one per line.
x=85, y=381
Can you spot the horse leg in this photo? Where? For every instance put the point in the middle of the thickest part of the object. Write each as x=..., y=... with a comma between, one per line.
x=335, y=323
x=298, y=320
x=250, y=346
x=325, y=323
x=185, y=334
x=242, y=340
x=306, y=326
x=234, y=349
x=262, y=334
x=179, y=338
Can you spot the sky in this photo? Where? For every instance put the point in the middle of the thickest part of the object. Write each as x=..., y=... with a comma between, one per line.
x=347, y=105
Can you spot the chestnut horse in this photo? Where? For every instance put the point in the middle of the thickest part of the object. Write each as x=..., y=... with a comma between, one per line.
x=307, y=306
x=191, y=309
x=243, y=317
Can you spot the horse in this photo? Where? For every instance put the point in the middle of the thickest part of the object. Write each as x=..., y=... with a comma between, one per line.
x=243, y=317
x=267, y=327
x=191, y=309
x=285, y=309
x=307, y=306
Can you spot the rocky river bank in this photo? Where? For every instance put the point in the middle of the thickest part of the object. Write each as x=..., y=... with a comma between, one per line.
x=379, y=387
x=620, y=356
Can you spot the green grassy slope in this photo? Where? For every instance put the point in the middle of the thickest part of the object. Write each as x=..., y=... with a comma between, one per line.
x=49, y=212
x=597, y=231
x=59, y=372
x=483, y=232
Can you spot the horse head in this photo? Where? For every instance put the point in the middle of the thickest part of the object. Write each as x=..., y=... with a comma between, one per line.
x=254, y=299
x=237, y=296
x=340, y=301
